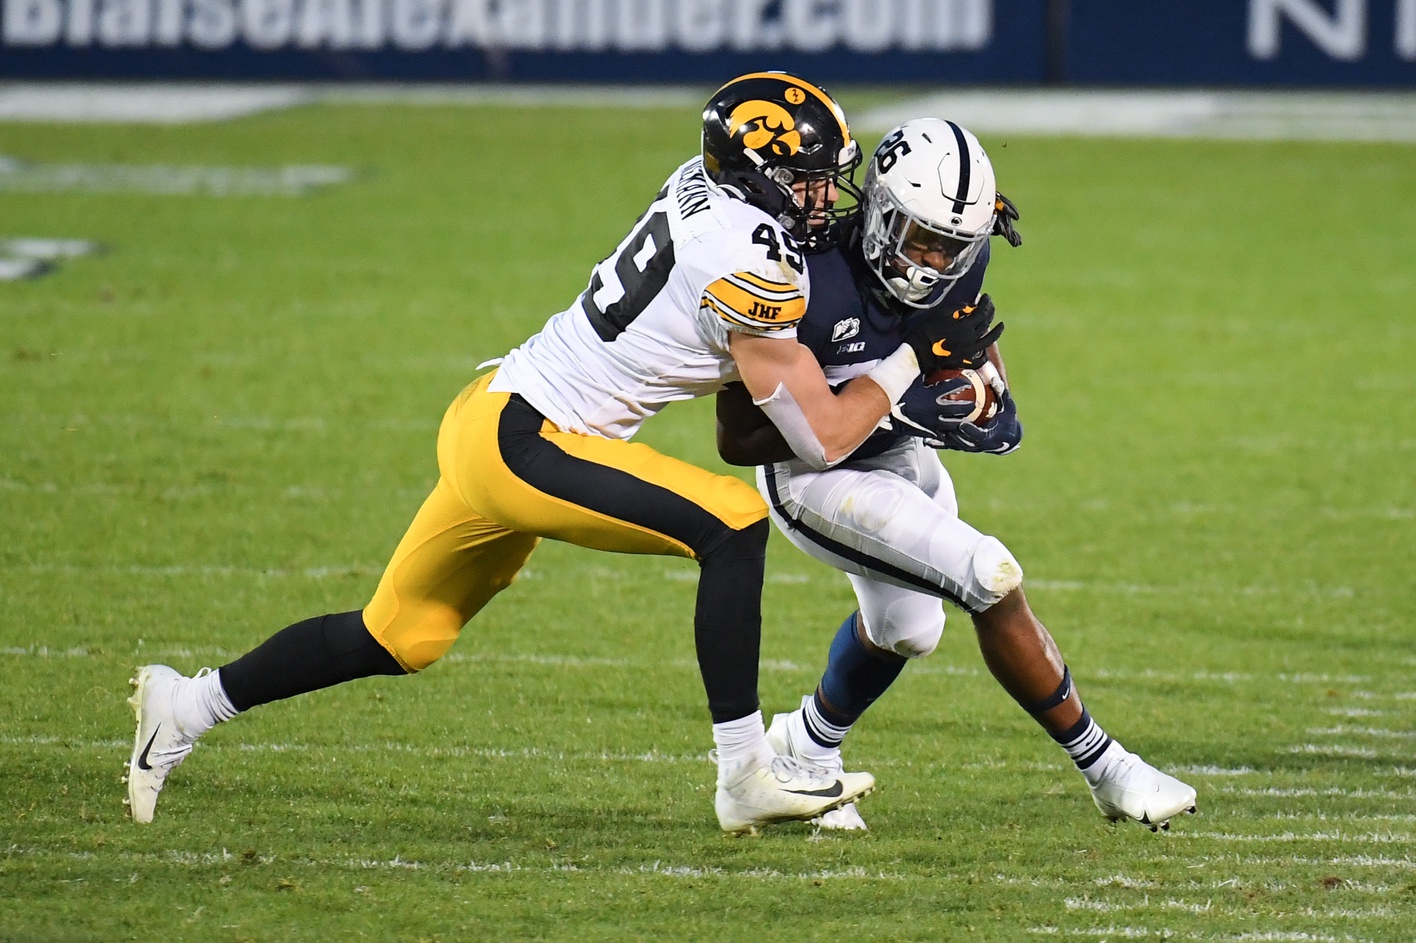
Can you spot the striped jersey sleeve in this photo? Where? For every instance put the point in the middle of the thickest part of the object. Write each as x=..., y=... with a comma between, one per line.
x=752, y=303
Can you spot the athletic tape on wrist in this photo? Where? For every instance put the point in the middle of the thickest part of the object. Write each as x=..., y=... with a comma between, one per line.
x=897, y=372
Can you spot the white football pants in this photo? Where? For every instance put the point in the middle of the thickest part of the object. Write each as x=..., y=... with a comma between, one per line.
x=891, y=523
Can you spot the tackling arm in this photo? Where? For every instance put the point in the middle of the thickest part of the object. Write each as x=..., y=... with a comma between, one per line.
x=785, y=380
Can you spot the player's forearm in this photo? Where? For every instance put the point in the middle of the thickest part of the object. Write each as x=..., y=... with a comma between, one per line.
x=787, y=384
x=858, y=408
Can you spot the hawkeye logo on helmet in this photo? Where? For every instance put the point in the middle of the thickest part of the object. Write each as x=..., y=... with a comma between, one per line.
x=761, y=125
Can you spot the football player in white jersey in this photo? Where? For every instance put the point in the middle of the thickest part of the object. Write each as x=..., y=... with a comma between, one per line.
x=706, y=289
x=887, y=515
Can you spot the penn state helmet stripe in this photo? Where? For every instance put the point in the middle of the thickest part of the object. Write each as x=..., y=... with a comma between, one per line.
x=965, y=162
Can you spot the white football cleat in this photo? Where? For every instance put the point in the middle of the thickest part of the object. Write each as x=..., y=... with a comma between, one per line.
x=1133, y=789
x=159, y=745
x=783, y=790
x=783, y=736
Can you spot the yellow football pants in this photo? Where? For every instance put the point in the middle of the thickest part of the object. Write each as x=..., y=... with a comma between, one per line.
x=509, y=477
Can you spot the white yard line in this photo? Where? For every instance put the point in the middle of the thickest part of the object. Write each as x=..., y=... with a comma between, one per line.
x=926, y=667
x=141, y=102
x=1276, y=115
x=1253, y=115
x=683, y=576
x=1304, y=792
x=657, y=868
x=1166, y=933
x=1334, y=837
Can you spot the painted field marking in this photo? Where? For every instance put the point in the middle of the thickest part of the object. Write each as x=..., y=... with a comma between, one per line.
x=1311, y=792
x=1238, y=115
x=657, y=868
x=146, y=103
x=168, y=180
x=1168, y=903
x=1251, y=115
x=1165, y=933
x=685, y=576
x=927, y=667
x=1347, y=861
x=1316, y=749
x=1345, y=731
x=1405, y=818
x=26, y=257
x=1364, y=838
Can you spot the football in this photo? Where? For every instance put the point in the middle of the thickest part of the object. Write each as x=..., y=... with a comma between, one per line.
x=982, y=391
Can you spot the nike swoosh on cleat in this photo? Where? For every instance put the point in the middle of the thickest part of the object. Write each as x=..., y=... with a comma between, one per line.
x=831, y=793
x=143, y=756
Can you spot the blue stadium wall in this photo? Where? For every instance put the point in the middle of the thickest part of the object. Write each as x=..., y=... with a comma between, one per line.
x=1313, y=43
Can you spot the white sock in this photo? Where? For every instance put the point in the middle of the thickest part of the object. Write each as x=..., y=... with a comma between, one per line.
x=200, y=703
x=821, y=734
x=1110, y=751
x=741, y=742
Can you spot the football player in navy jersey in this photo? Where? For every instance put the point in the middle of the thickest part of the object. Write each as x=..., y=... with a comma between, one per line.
x=706, y=288
x=887, y=515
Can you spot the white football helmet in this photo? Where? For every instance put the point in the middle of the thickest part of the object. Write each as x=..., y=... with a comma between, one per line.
x=928, y=201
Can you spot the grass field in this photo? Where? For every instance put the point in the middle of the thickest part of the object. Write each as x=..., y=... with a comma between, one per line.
x=222, y=424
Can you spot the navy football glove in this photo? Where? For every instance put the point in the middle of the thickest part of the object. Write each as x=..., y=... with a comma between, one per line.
x=999, y=436
x=1004, y=215
x=927, y=412
x=955, y=339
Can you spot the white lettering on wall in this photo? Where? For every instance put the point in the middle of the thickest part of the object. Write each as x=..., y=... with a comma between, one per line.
x=643, y=26
x=864, y=29
x=522, y=24
x=415, y=23
x=622, y=26
x=1406, y=30
x=212, y=24
x=33, y=22
x=125, y=22
x=750, y=31
x=79, y=29
x=469, y=24
x=267, y=24
x=1342, y=36
x=812, y=24
x=167, y=22
x=700, y=25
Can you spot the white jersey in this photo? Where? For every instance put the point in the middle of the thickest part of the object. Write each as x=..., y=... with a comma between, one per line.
x=652, y=326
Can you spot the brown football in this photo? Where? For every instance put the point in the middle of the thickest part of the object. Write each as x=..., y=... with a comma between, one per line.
x=980, y=392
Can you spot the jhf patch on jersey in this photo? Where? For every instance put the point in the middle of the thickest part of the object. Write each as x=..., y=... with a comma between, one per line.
x=751, y=301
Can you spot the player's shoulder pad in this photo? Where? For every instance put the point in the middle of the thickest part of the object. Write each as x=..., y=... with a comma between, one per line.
x=748, y=301
x=756, y=279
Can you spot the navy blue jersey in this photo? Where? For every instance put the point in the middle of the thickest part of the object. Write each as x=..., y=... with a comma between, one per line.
x=849, y=328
